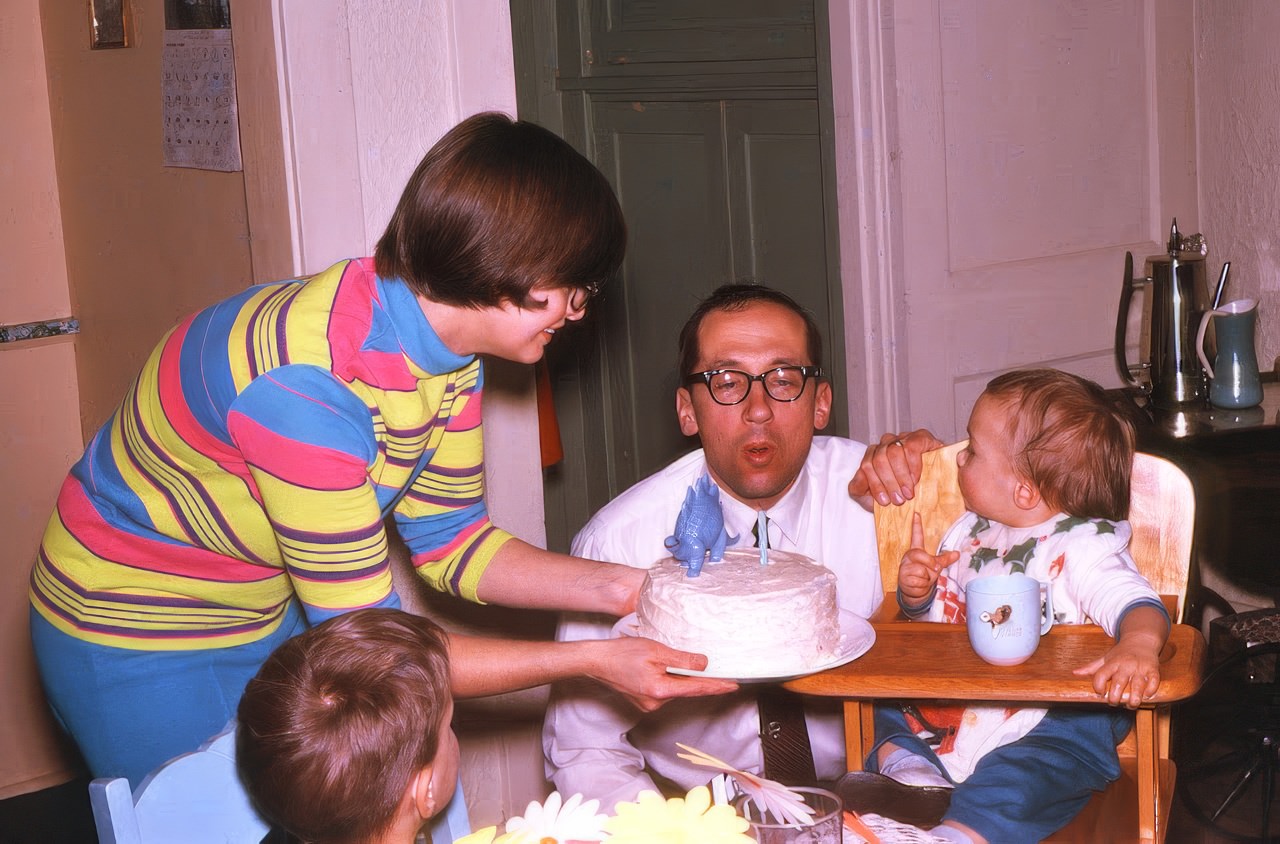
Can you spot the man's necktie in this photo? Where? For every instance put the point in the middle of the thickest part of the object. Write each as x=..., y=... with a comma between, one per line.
x=784, y=736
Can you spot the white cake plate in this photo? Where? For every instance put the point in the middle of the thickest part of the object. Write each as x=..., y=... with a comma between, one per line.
x=856, y=638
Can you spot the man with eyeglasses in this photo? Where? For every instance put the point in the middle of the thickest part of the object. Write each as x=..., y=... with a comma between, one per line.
x=754, y=392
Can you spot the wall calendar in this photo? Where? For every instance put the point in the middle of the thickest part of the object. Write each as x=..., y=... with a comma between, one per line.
x=201, y=126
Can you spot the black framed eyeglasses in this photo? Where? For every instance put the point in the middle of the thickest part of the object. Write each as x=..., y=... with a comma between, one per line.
x=731, y=386
x=580, y=297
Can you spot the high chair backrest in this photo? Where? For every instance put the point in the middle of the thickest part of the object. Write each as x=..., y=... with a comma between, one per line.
x=1162, y=510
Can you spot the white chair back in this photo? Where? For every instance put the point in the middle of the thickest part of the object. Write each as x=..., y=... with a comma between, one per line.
x=197, y=798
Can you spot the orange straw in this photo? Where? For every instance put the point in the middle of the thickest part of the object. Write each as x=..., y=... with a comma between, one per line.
x=855, y=823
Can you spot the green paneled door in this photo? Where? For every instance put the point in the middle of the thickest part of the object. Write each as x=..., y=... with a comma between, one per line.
x=706, y=116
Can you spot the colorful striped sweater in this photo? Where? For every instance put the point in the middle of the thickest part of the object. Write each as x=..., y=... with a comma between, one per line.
x=251, y=461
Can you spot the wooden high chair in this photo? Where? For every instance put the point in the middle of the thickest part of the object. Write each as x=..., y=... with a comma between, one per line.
x=1162, y=515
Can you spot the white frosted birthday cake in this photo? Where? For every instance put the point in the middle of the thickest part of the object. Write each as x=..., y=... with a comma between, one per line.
x=750, y=620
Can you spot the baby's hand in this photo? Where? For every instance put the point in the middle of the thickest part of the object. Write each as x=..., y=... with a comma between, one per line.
x=1128, y=674
x=918, y=571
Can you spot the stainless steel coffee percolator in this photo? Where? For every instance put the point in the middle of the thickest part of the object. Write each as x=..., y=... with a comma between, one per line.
x=1177, y=294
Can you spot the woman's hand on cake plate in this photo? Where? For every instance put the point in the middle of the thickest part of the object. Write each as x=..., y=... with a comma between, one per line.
x=891, y=468
x=634, y=667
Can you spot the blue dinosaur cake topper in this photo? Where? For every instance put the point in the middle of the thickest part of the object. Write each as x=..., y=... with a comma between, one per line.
x=699, y=527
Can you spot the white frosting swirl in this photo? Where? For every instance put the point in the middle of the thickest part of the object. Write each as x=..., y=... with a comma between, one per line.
x=750, y=620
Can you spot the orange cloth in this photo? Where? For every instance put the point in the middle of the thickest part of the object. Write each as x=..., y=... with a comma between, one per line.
x=548, y=425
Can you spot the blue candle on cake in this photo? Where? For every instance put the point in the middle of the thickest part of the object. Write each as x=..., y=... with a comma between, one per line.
x=762, y=532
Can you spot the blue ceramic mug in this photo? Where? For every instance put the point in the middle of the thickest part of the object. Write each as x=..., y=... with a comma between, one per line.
x=1006, y=616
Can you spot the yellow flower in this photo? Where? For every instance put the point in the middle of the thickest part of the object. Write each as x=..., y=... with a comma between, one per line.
x=688, y=820
x=489, y=835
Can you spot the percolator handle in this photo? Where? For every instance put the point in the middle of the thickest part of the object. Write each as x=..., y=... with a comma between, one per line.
x=1122, y=318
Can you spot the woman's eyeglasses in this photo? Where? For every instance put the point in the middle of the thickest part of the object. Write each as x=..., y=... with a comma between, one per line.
x=580, y=297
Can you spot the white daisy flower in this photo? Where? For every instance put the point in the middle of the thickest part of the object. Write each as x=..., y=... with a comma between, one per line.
x=575, y=820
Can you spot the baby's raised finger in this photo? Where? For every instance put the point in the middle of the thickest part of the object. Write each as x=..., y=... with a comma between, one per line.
x=917, y=532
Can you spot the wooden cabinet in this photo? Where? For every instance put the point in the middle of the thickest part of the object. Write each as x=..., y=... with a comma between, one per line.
x=1233, y=460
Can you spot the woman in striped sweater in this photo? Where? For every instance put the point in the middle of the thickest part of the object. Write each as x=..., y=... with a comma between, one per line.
x=237, y=495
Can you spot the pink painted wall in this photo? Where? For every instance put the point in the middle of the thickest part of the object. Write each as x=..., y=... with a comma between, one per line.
x=95, y=226
x=39, y=410
x=145, y=244
x=30, y=215
x=39, y=440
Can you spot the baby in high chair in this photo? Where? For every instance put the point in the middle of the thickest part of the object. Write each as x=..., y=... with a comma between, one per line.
x=1045, y=480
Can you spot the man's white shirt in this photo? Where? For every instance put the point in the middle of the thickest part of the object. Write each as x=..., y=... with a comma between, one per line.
x=598, y=744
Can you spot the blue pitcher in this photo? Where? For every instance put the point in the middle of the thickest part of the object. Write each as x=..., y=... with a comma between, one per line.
x=1233, y=377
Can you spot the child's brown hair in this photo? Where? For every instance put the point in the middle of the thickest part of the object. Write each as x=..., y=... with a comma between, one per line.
x=338, y=721
x=1068, y=439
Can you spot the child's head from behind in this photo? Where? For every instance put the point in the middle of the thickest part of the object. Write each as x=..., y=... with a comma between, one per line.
x=341, y=721
x=1041, y=442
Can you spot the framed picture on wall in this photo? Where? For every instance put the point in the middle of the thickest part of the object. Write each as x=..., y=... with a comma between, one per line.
x=197, y=14
x=108, y=24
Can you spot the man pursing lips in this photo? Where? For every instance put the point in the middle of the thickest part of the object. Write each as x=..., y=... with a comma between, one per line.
x=754, y=392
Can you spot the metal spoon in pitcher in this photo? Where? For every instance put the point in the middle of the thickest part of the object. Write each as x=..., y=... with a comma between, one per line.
x=1222, y=285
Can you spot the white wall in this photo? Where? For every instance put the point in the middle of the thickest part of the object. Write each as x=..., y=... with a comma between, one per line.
x=864, y=116
x=366, y=89
x=363, y=91
x=995, y=163
x=1238, y=110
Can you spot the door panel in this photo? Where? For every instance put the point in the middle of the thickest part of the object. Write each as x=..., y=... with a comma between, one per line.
x=1033, y=153
x=776, y=202
x=666, y=161
x=624, y=34
x=713, y=192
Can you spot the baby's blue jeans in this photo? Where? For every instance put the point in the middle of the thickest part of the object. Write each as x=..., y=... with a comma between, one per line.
x=1027, y=790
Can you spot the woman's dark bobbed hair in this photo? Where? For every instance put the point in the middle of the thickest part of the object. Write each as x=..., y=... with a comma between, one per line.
x=497, y=206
